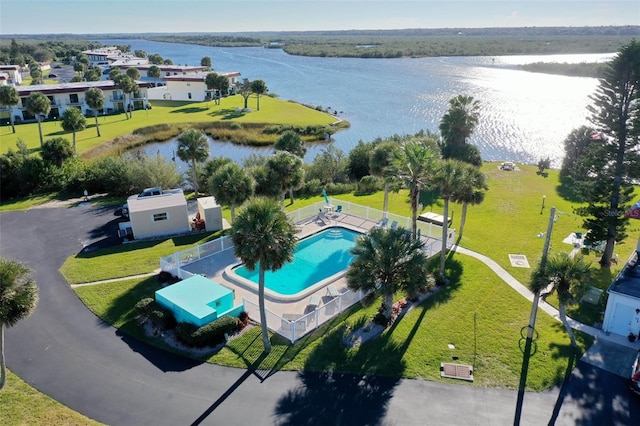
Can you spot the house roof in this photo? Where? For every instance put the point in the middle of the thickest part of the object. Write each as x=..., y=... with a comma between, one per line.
x=199, y=77
x=81, y=86
x=169, y=198
x=628, y=280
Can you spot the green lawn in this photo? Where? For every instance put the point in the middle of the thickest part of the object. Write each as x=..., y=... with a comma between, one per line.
x=272, y=111
x=23, y=405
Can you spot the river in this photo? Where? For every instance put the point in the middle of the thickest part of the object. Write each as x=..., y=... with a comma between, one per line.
x=524, y=116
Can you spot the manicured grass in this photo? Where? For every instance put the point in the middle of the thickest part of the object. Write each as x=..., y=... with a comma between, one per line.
x=477, y=313
x=127, y=259
x=23, y=405
x=272, y=111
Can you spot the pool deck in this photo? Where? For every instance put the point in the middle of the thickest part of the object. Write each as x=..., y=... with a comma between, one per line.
x=213, y=266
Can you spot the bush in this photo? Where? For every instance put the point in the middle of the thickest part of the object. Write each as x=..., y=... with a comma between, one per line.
x=208, y=335
x=142, y=307
x=156, y=313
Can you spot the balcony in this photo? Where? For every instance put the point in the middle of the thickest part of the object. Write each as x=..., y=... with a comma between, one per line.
x=72, y=102
x=118, y=98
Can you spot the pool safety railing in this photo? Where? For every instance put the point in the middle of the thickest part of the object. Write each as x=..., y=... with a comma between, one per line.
x=428, y=231
x=294, y=326
x=173, y=263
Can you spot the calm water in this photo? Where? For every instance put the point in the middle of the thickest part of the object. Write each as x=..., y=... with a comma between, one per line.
x=317, y=257
x=524, y=116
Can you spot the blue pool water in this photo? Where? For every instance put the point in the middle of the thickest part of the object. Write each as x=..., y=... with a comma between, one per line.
x=316, y=258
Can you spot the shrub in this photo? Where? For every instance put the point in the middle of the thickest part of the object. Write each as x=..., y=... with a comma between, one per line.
x=156, y=313
x=208, y=335
x=142, y=307
x=243, y=318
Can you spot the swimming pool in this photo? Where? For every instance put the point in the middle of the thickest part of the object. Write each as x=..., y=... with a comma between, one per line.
x=317, y=260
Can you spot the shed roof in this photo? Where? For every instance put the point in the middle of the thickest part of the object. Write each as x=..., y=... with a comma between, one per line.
x=194, y=295
x=170, y=198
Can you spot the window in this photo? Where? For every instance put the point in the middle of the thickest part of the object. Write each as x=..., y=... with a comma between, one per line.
x=159, y=216
x=189, y=94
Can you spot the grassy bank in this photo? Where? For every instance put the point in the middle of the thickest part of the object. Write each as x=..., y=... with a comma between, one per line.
x=23, y=405
x=119, y=134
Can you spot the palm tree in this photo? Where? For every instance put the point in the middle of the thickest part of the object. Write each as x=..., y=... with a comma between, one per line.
x=448, y=179
x=8, y=98
x=259, y=87
x=457, y=125
x=231, y=185
x=567, y=274
x=38, y=105
x=413, y=165
x=470, y=191
x=386, y=261
x=94, y=97
x=154, y=73
x=128, y=86
x=73, y=121
x=263, y=237
x=193, y=147
x=379, y=162
x=18, y=299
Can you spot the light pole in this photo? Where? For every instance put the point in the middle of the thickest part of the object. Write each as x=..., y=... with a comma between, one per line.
x=532, y=320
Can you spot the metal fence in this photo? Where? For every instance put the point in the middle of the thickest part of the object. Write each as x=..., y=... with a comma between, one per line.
x=293, y=326
x=173, y=263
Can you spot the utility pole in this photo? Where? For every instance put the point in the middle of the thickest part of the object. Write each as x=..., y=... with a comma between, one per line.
x=532, y=323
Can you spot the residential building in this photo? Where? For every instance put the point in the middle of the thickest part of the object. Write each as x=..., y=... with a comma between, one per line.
x=189, y=87
x=13, y=75
x=71, y=95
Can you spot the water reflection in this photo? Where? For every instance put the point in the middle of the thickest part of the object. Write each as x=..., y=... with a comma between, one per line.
x=524, y=116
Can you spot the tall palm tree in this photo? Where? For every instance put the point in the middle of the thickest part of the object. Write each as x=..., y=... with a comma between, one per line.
x=567, y=274
x=448, y=179
x=94, y=97
x=263, y=237
x=457, y=125
x=8, y=98
x=38, y=105
x=18, y=299
x=413, y=165
x=387, y=261
x=72, y=120
x=259, y=87
x=193, y=147
x=470, y=191
x=378, y=166
x=231, y=185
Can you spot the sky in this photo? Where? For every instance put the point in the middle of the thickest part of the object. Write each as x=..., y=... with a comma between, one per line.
x=175, y=16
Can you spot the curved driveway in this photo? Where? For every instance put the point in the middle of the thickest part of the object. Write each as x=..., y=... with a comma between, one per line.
x=66, y=352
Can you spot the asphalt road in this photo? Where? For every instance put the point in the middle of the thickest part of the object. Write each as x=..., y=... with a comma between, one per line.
x=66, y=352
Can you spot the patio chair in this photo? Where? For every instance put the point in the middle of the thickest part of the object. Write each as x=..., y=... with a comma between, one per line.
x=333, y=291
x=339, y=209
x=314, y=301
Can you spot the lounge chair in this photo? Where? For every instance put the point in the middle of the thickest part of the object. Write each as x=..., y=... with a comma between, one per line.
x=314, y=301
x=339, y=209
x=333, y=291
x=394, y=224
x=383, y=222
